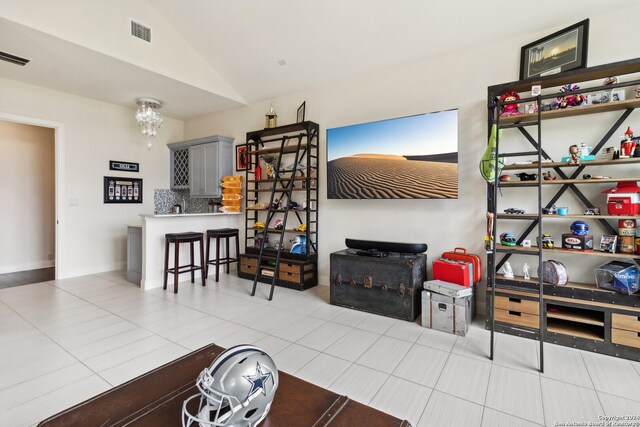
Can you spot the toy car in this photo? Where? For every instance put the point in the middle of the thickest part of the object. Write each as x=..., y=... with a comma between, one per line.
x=592, y=211
x=527, y=176
x=550, y=211
x=514, y=211
x=547, y=241
x=508, y=239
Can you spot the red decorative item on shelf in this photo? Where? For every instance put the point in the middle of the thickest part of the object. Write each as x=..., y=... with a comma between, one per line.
x=510, y=109
x=258, y=171
x=623, y=199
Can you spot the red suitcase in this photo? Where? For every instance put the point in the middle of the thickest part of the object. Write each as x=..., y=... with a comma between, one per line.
x=453, y=271
x=461, y=254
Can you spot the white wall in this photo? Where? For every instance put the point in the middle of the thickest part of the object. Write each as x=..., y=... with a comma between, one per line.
x=105, y=28
x=27, y=174
x=94, y=133
x=458, y=80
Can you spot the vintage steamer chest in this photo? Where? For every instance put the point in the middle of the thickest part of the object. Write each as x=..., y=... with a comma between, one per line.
x=389, y=286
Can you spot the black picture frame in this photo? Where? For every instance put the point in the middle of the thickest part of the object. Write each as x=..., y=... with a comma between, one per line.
x=570, y=46
x=117, y=165
x=300, y=114
x=242, y=157
x=114, y=187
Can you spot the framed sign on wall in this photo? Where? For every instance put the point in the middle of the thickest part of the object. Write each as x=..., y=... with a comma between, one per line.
x=116, y=165
x=122, y=190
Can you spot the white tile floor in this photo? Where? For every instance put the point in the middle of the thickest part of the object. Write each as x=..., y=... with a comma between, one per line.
x=64, y=341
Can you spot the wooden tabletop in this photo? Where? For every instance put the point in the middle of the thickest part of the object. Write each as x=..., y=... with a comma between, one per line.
x=155, y=399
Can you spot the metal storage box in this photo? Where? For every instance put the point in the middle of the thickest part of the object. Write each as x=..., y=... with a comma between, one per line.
x=445, y=313
x=389, y=286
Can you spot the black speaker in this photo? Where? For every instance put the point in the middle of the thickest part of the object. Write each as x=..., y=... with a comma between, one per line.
x=369, y=245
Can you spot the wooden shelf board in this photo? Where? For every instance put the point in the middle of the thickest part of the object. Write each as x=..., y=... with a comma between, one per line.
x=260, y=181
x=572, y=111
x=279, y=190
x=597, y=72
x=280, y=130
x=567, y=181
x=292, y=148
x=534, y=281
x=549, y=165
x=277, y=210
x=534, y=249
x=532, y=216
x=574, y=317
x=574, y=330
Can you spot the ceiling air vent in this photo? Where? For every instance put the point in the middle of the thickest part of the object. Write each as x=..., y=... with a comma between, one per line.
x=140, y=31
x=13, y=59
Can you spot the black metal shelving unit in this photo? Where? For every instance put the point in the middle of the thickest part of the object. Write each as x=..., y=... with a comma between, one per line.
x=579, y=314
x=291, y=198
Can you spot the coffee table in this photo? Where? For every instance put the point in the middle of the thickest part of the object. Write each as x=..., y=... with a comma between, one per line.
x=155, y=399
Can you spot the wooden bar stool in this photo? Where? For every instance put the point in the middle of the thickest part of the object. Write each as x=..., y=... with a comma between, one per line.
x=176, y=239
x=218, y=234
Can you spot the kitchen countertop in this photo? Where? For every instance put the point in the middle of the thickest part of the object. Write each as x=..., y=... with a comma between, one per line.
x=187, y=214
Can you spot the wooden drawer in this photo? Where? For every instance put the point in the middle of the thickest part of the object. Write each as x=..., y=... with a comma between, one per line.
x=295, y=278
x=626, y=322
x=628, y=338
x=248, y=268
x=248, y=261
x=295, y=268
x=517, y=304
x=517, y=318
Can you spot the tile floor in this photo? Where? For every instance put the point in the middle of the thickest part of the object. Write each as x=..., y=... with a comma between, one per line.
x=64, y=341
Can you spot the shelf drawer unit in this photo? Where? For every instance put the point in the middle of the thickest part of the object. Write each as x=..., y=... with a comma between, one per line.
x=626, y=322
x=296, y=272
x=293, y=274
x=518, y=318
x=628, y=338
x=517, y=304
x=625, y=330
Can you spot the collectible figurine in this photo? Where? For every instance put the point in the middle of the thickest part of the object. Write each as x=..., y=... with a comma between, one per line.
x=488, y=239
x=569, y=100
x=507, y=270
x=525, y=271
x=573, y=152
x=638, y=92
x=548, y=177
x=628, y=146
x=510, y=109
x=269, y=162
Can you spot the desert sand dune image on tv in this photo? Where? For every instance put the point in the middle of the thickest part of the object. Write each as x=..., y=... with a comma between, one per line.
x=413, y=157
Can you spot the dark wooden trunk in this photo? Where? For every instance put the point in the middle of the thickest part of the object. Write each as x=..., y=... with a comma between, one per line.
x=390, y=286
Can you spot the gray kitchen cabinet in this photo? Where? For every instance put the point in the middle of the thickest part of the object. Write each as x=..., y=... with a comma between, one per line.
x=207, y=160
x=134, y=254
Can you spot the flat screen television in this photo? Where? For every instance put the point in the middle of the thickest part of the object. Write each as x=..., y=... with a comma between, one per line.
x=414, y=157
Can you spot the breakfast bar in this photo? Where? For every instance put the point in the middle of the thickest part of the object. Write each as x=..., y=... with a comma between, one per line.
x=154, y=228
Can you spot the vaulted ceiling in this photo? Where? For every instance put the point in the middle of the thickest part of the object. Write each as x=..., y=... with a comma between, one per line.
x=254, y=50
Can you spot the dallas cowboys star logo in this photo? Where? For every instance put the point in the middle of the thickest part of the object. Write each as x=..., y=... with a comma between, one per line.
x=258, y=380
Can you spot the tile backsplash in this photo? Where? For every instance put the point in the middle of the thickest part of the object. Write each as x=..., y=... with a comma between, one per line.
x=164, y=199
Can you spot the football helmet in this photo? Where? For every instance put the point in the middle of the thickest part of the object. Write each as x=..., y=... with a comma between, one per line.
x=299, y=244
x=235, y=391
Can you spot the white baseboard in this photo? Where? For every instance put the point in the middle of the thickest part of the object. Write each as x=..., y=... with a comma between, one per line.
x=95, y=269
x=26, y=266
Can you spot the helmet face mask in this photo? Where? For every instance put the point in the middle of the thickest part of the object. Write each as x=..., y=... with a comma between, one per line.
x=235, y=391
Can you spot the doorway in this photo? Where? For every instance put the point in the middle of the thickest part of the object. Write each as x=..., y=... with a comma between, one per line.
x=30, y=171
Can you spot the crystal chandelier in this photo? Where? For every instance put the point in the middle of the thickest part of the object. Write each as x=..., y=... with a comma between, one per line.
x=149, y=118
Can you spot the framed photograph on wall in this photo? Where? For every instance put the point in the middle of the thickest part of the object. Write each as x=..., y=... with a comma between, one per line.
x=561, y=51
x=300, y=116
x=242, y=157
x=118, y=190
